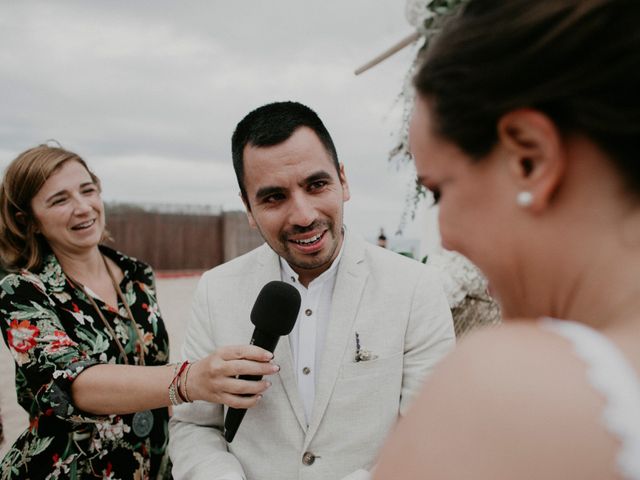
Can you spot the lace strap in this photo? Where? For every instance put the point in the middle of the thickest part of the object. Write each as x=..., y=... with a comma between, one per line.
x=611, y=374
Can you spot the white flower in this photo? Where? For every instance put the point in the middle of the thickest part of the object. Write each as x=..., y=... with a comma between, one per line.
x=96, y=446
x=20, y=357
x=110, y=431
x=62, y=297
x=417, y=11
x=60, y=466
x=122, y=331
x=67, y=373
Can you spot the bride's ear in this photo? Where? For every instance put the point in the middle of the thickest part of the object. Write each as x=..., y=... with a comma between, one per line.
x=537, y=161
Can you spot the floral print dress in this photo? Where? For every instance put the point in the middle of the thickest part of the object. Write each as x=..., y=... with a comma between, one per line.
x=54, y=333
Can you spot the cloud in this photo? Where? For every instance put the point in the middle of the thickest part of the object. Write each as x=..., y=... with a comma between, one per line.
x=149, y=92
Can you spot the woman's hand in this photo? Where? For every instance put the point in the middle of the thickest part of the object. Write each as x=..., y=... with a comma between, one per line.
x=215, y=377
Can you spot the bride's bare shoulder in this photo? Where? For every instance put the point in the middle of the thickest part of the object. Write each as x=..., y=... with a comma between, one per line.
x=515, y=364
x=508, y=397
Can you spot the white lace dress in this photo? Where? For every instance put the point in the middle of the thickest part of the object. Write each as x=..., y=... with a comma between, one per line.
x=610, y=373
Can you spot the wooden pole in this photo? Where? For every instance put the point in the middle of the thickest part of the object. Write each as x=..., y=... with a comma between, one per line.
x=390, y=51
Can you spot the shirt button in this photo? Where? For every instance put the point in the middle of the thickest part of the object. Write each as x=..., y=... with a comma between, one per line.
x=308, y=312
x=308, y=458
x=306, y=370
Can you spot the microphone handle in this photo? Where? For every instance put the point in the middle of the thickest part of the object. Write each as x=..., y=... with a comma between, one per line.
x=235, y=415
x=232, y=422
x=265, y=340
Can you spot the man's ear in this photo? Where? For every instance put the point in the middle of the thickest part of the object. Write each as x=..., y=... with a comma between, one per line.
x=247, y=208
x=536, y=157
x=346, y=195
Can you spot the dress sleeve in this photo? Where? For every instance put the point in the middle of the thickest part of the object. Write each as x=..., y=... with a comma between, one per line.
x=149, y=276
x=47, y=359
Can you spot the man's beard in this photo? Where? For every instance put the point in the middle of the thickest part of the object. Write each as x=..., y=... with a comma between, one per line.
x=314, y=260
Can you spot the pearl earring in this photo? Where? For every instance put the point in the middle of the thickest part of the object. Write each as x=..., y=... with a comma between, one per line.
x=524, y=199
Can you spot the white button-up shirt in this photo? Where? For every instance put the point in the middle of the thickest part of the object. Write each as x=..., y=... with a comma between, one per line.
x=309, y=332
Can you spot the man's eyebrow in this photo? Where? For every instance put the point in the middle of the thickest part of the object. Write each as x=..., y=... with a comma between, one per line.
x=264, y=192
x=319, y=175
x=268, y=190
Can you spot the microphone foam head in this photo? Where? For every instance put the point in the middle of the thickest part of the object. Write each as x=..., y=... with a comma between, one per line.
x=276, y=308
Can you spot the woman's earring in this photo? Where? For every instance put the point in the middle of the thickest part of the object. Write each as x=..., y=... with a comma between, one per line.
x=524, y=199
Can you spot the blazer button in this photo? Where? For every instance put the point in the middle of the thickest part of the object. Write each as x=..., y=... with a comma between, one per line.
x=308, y=458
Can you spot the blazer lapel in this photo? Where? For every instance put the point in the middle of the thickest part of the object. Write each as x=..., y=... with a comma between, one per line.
x=270, y=270
x=350, y=281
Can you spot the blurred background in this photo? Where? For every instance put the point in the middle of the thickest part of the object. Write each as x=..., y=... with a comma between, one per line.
x=149, y=93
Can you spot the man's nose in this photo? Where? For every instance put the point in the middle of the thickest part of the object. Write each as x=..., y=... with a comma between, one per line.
x=302, y=212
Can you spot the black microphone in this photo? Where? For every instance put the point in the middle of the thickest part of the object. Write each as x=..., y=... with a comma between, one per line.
x=274, y=314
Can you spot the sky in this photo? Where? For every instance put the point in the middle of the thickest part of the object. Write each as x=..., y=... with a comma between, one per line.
x=149, y=92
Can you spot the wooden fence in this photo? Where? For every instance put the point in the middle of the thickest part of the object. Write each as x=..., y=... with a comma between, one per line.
x=180, y=241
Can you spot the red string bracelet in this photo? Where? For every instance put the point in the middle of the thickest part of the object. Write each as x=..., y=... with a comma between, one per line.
x=174, y=386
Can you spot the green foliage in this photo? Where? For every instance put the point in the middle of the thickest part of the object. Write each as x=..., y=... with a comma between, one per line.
x=438, y=11
x=443, y=8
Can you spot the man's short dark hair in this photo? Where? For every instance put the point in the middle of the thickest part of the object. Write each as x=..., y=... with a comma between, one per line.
x=271, y=125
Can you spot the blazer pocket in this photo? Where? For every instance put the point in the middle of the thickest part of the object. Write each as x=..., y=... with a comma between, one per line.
x=376, y=367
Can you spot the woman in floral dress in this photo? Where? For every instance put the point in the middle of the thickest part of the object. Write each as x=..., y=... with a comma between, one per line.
x=72, y=310
x=83, y=325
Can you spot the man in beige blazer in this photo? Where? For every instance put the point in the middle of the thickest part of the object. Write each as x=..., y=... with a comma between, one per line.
x=371, y=326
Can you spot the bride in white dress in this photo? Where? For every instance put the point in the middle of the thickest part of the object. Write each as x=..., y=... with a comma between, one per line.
x=526, y=129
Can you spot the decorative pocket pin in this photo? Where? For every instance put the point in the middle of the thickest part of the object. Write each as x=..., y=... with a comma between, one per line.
x=362, y=354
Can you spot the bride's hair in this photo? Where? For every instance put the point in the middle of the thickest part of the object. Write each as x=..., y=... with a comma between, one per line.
x=577, y=61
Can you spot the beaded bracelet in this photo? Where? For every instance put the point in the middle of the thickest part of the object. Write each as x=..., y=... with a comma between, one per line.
x=172, y=391
x=172, y=395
